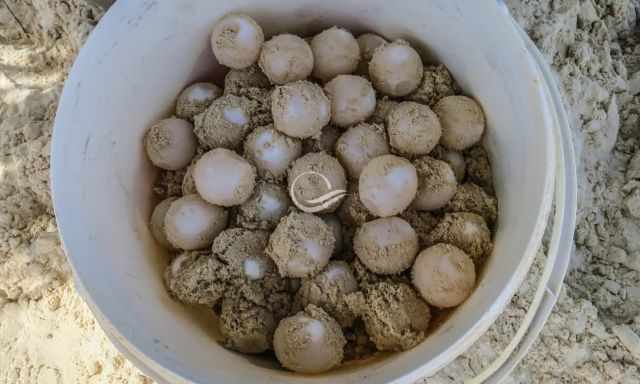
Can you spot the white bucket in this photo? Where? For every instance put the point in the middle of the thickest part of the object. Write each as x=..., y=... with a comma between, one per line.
x=127, y=76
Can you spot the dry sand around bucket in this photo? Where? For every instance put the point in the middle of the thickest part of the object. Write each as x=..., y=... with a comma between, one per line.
x=48, y=335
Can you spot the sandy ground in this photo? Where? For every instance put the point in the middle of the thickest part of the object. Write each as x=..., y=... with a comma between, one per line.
x=47, y=334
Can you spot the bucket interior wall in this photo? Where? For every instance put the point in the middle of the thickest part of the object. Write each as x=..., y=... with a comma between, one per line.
x=144, y=52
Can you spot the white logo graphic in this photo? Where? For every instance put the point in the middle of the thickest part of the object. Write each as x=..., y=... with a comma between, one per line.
x=319, y=203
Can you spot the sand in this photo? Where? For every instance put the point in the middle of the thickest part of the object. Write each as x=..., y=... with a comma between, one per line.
x=592, y=335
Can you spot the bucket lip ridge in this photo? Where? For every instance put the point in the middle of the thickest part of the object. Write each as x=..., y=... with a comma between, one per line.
x=157, y=371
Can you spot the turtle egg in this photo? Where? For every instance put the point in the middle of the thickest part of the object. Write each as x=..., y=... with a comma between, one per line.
x=224, y=178
x=358, y=145
x=245, y=326
x=309, y=342
x=444, y=275
x=271, y=151
x=328, y=289
x=316, y=176
x=437, y=184
x=301, y=245
x=300, y=109
x=286, y=58
x=335, y=52
x=236, y=41
x=192, y=223
x=394, y=315
x=353, y=99
x=467, y=231
x=170, y=144
x=186, y=272
x=226, y=122
x=388, y=185
x=462, y=122
x=268, y=204
x=195, y=99
x=386, y=246
x=396, y=69
x=156, y=224
x=413, y=128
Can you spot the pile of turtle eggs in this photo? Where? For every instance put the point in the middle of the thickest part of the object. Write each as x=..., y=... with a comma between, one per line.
x=329, y=174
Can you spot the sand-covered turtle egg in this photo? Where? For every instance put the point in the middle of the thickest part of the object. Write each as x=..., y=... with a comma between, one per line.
x=196, y=277
x=301, y=245
x=436, y=183
x=414, y=129
x=226, y=122
x=386, y=246
x=195, y=99
x=309, y=342
x=462, y=122
x=300, y=109
x=236, y=40
x=245, y=326
x=465, y=230
x=436, y=83
x=394, y=315
x=264, y=209
x=396, y=69
x=286, y=58
x=358, y=145
x=170, y=144
x=444, y=275
x=328, y=289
